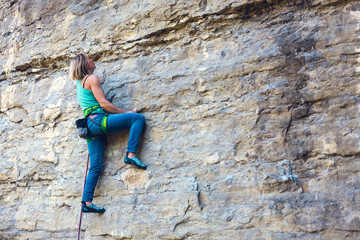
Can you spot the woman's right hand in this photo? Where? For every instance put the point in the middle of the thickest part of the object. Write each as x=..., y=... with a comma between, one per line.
x=130, y=112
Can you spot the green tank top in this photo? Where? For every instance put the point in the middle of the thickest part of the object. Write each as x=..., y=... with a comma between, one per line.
x=87, y=99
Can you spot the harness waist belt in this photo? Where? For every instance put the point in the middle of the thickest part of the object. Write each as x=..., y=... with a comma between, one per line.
x=89, y=110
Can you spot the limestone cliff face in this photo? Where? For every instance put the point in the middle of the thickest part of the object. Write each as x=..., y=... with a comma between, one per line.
x=252, y=112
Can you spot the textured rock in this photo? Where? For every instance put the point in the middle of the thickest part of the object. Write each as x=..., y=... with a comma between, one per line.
x=252, y=112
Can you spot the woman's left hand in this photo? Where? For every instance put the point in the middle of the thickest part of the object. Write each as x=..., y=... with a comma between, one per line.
x=131, y=112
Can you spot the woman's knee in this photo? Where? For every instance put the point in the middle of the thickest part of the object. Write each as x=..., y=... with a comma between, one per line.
x=140, y=117
x=96, y=168
x=96, y=162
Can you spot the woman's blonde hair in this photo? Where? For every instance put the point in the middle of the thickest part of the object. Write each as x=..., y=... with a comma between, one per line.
x=79, y=67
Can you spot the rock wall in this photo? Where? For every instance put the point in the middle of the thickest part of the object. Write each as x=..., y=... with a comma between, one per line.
x=252, y=112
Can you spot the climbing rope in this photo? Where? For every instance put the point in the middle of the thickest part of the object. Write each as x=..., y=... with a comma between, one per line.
x=87, y=167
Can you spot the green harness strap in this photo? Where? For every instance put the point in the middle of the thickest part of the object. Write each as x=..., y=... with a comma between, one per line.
x=89, y=110
x=103, y=125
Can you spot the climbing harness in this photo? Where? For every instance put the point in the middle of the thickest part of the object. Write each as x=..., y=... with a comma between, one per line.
x=87, y=168
x=83, y=130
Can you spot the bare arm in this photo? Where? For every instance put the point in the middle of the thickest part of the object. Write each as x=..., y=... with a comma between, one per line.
x=93, y=83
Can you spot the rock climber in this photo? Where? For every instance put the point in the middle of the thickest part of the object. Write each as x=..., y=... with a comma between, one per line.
x=102, y=117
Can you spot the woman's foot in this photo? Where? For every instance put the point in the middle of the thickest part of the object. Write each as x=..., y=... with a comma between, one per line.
x=91, y=208
x=131, y=159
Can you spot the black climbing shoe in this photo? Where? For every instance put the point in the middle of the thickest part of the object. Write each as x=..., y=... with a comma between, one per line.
x=92, y=208
x=135, y=161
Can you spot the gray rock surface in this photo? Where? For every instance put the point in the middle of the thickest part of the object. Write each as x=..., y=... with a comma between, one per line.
x=252, y=112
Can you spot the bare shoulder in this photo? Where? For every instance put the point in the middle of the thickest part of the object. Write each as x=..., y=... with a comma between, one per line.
x=92, y=81
x=93, y=78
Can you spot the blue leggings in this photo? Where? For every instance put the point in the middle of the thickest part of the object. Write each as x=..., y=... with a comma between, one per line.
x=116, y=122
